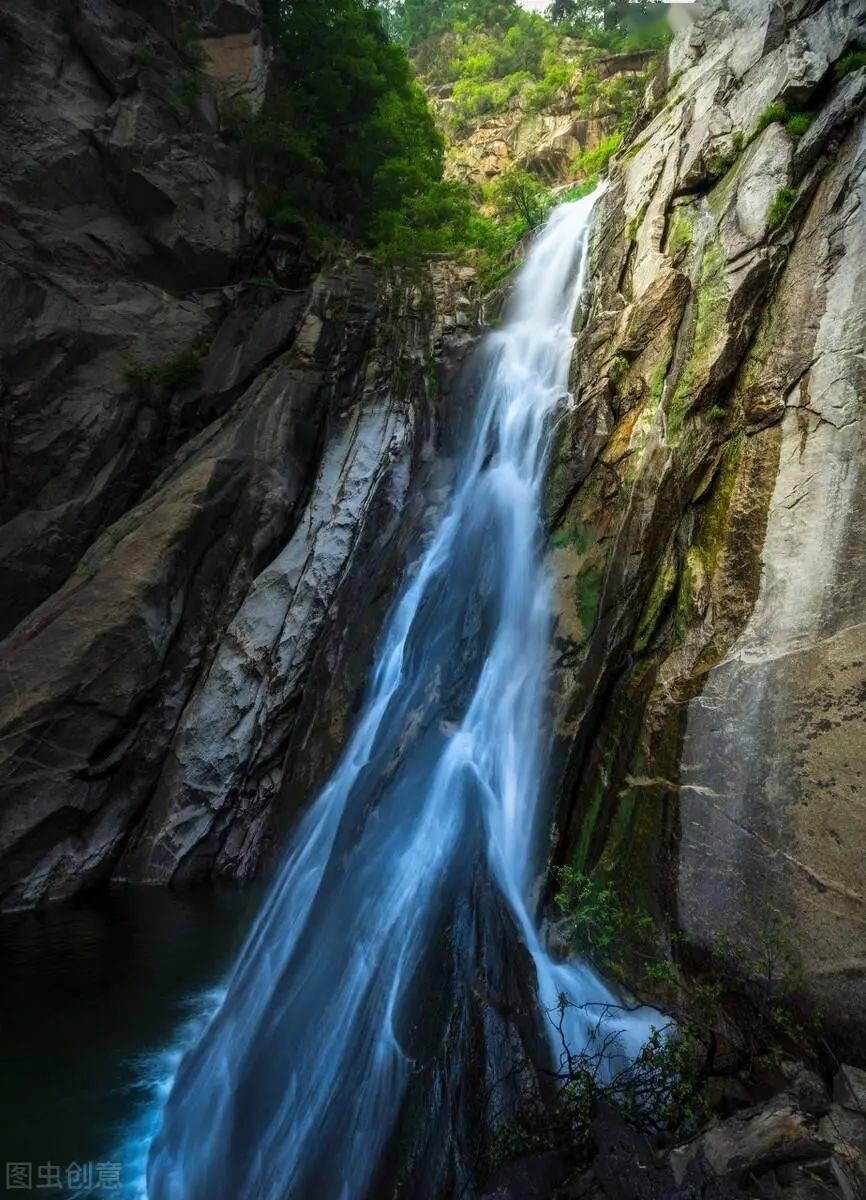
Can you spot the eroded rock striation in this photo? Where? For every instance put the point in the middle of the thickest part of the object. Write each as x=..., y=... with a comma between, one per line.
x=210, y=460
x=215, y=454
x=706, y=504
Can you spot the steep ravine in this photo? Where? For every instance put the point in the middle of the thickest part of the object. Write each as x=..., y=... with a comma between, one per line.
x=706, y=506
x=218, y=454
x=205, y=457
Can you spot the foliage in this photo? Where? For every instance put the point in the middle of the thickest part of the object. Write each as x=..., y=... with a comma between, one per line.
x=782, y=204
x=188, y=39
x=764, y=972
x=445, y=220
x=796, y=122
x=415, y=21
x=579, y=190
x=663, y=1090
x=345, y=137
x=773, y=112
x=490, y=50
x=474, y=98
x=593, y=162
x=519, y=194
x=556, y=79
x=722, y=160
x=850, y=62
x=799, y=122
x=493, y=52
x=147, y=58
x=190, y=90
x=617, y=26
x=620, y=97
x=166, y=377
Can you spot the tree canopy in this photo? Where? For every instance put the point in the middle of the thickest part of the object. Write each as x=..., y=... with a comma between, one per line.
x=413, y=21
x=345, y=136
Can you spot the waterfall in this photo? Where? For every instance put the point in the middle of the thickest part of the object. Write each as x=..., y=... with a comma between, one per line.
x=295, y=1085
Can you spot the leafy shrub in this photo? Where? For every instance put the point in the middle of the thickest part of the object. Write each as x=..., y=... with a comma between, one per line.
x=188, y=46
x=519, y=194
x=621, y=98
x=473, y=98
x=722, y=160
x=591, y=163
x=445, y=220
x=716, y=414
x=579, y=190
x=613, y=26
x=345, y=137
x=765, y=971
x=147, y=58
x=545, y=92
x=773, y=112
x=190, y=90
x=850, y=62
x=493, y=42
x=782, y=204
x=166, y=377
x=799, y=122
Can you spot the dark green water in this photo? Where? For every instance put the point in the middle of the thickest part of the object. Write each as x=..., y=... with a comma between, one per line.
x=97, y=999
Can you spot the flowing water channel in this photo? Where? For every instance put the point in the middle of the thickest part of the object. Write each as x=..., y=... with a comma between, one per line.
x=296, y=1083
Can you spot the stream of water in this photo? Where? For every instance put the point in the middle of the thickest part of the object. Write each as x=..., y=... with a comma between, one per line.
x=295, y=1085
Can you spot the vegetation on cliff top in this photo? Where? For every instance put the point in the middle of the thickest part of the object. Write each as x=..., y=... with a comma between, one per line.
x=346, y=144
x=345, y=137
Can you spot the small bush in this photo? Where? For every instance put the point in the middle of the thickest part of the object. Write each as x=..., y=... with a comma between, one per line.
x=578, y=191
x=773, y=112
x=147, y=58
x=591, y=163
x=545, y=92
x=781, y=206
x=618, y=369
x=519, y=194
x=850, y=62
x=236, y=116
x=188, y=45
x=799, y=122
x=190, y=91
x=716, y=414
x=167, y=377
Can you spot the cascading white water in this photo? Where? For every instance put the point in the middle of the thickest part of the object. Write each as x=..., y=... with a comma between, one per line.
x=295, y=1085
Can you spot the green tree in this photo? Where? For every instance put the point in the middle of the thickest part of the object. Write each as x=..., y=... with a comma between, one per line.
x=414, y=21
x=346, y=135
x=517, y=193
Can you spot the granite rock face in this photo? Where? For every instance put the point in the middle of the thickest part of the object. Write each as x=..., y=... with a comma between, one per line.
x=210, y=485
x=545, y=140
x=706, y=506
x=211, y=460
x=123, y=213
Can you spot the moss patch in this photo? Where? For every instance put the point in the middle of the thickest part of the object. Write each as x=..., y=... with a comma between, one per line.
x=712, y=303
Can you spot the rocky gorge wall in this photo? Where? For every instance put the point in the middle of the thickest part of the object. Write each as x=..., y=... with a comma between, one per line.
x=544, y=140
x=215, y=455
x=706, y=506
x=211, y=452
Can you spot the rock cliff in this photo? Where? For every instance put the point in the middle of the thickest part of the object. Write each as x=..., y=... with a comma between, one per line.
x=543, y=139
x=706, y=503
x=210, y=455
x=215, y=452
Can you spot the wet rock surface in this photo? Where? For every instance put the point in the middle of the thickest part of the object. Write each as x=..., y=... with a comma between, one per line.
x=776, y=1148
x=207, y=452
x=706, y=513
